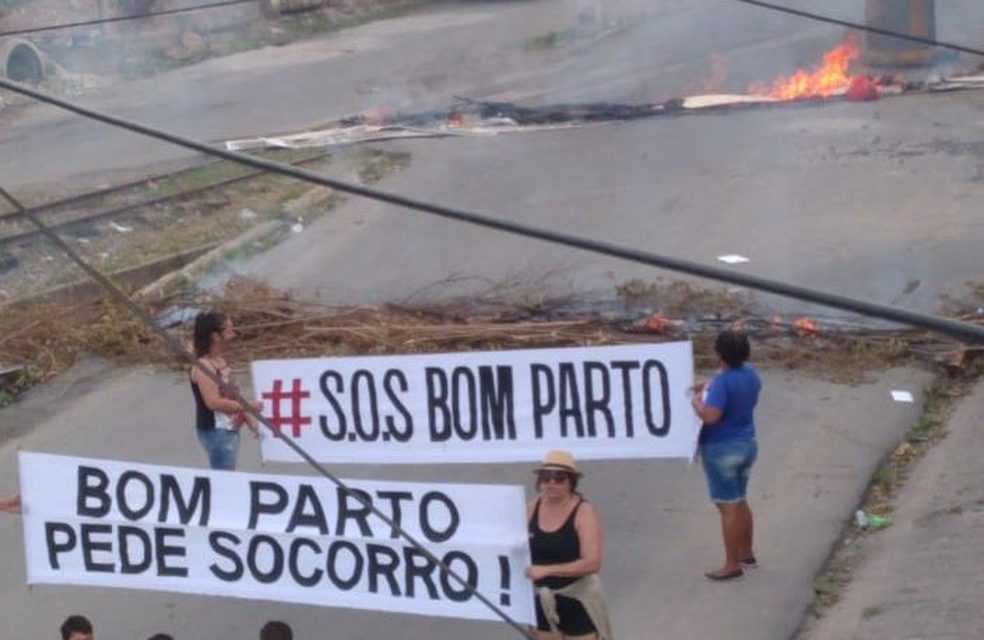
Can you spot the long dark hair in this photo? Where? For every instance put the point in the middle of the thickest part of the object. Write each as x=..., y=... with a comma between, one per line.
x=207, y=323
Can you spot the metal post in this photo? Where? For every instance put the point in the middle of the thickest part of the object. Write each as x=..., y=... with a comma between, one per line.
x=914, y=17
x=105, y=11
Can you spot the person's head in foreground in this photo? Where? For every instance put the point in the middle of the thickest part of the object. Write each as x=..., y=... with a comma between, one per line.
x=76, y=627
x=276, y=630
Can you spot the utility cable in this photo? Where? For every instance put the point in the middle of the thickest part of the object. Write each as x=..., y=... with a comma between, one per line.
x=179, y=350
x=955, y=328
x=97, y=21
x=863, y=27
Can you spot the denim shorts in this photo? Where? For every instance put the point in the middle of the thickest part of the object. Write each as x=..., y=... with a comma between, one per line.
x=727, y=466
x=221, y=445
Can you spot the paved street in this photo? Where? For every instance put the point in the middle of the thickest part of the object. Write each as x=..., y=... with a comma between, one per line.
x=874, y=201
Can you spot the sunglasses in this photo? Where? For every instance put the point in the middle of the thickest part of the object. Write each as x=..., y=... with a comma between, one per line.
x=550, y=475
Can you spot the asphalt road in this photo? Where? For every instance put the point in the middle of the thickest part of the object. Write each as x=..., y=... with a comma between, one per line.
x=876, y=201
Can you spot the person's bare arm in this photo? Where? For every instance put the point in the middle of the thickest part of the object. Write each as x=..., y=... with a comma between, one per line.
x=11, y=504
x=706, y=413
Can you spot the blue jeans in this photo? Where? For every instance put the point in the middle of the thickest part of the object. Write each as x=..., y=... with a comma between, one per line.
x=221, y=445
x=727, y=466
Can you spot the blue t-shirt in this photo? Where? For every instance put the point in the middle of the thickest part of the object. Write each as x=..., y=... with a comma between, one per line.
x=735, y=392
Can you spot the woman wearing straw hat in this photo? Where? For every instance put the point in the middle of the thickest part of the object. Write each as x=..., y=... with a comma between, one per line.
x=566, y=549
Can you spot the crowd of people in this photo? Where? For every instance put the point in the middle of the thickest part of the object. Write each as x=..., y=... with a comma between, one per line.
x=78, y=627
x=565, y=533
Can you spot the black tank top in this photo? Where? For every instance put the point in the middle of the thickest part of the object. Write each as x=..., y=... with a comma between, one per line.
x=554, y=547
x=204, y=417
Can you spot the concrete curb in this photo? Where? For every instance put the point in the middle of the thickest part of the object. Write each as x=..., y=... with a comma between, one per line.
x=160, y=288
x=85, y=290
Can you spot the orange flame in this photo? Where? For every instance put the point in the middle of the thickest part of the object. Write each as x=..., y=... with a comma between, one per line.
x=829, y=78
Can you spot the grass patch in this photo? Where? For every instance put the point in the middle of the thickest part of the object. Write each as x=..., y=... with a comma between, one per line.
x=549, y=40
x=828, y=584
x=374, y=165
x=214, y=172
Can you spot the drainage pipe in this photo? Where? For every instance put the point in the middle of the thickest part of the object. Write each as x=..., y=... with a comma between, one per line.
x=21, y=61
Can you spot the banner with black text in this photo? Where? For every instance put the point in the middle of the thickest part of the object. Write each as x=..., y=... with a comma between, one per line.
x=286, y=538
x=625, y=401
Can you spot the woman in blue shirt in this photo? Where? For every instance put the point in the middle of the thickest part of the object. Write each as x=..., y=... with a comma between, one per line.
x=727, y=445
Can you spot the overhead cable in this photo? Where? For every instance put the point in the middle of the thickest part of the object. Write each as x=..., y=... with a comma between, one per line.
x=180, y=351
x=955, y=328
x=863, y=27
x=112, y=19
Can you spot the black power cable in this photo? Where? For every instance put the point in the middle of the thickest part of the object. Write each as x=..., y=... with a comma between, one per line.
x=863, y=27
x=175, y=346
x=955, y=328
x=97, y=21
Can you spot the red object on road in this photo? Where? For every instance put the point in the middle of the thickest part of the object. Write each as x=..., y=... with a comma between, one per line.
x=862, y=89
x=806, y=326
x=656, y=323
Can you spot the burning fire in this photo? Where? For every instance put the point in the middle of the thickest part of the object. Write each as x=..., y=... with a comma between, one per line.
x=829, y=78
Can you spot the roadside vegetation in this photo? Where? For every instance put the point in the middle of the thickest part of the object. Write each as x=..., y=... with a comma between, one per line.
x=878, y=505
x=186, y=224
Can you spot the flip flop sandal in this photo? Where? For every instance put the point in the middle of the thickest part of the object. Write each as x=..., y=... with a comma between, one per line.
x=722, y=577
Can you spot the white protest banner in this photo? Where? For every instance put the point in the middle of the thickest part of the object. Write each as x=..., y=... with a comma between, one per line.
x=626, y=401
x=287, y=538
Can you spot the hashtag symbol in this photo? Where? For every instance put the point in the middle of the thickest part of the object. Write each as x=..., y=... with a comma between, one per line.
x=295, y=395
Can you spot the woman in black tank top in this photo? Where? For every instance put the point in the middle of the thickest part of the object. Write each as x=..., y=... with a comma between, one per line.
x=565, y=543
x=218, y=418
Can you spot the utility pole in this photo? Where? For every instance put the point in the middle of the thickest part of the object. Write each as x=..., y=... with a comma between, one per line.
x=913, y=17
x=105, y=11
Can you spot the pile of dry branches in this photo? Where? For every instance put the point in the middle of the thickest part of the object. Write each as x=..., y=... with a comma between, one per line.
x=273, y=324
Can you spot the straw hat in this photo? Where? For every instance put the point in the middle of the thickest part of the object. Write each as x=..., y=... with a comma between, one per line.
x=559, y=459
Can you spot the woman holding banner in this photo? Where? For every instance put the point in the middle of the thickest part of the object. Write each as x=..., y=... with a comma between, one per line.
x=218, y=418
x=11, y=504
x=566, y=550
x=728, y=447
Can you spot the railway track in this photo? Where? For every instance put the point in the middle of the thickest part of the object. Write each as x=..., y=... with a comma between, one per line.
x=137, y=231
x=80, y=211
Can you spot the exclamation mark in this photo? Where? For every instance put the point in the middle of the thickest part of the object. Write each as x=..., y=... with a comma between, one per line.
x=504, y=581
